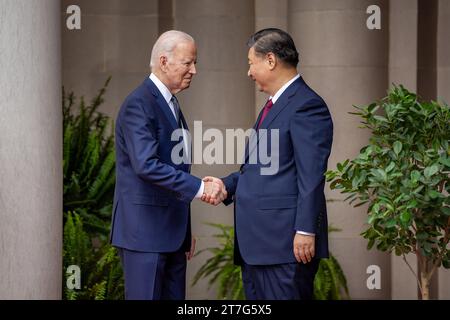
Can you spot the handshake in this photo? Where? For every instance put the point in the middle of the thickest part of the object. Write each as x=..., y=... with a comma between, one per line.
x=214, y=192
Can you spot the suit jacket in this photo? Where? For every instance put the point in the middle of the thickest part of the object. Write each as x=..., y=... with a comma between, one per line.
x=151, y=211
x=270, y=208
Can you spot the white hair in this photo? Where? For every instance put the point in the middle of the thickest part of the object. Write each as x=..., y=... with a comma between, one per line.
x=166, y=43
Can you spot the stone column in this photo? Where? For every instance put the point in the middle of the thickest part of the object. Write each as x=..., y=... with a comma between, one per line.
x=443, y=94
x=115, y=39
x=30, y=150
x=269, y=14
x=403, y=70
x=221, y=96
x=346, y=63
x=427, y=49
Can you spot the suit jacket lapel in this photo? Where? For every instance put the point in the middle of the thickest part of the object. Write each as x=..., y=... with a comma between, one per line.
x=252, y=136
x=278, y=106
x=161, y=102
x=281, y=103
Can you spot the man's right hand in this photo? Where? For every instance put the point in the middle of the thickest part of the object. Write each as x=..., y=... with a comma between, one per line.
x=214, y=192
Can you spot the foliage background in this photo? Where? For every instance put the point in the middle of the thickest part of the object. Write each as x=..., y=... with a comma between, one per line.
x=89, y=179
x=403, y=174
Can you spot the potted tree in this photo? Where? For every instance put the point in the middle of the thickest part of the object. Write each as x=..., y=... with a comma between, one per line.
x=403, y=176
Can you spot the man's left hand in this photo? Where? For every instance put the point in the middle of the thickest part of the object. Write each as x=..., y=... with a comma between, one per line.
x=304, y=246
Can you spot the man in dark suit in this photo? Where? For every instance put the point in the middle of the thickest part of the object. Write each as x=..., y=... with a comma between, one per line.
x=151, y=216
x=280, y=217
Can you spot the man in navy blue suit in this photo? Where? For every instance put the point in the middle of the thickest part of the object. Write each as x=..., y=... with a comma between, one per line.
x=280, y=216
x=151, y=214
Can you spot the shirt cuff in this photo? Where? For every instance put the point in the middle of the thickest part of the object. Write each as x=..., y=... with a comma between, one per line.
x=305, y=233
x=200, y=190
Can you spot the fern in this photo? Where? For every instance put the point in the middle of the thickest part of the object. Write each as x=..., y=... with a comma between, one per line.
x=220, y=267
x=89, y=160
x=103, y=175
x=330, y=281
x=76, y=241
x=93, y=222
x=67, y=140
x=98, y=291
x=91, y=156
x=89, y=179
x=71, y=294
x=101, y=273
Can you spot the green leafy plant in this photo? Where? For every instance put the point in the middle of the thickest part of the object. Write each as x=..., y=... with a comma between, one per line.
x=101, y=273
x=403, y=176
x=88, y=162
x=329, y=282
x=221, y=267
x=89, y=179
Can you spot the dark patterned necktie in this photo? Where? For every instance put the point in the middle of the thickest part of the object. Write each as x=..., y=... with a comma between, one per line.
x=176, y=107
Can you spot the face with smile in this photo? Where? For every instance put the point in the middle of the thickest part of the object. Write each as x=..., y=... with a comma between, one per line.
x=179, y=67
x=258, y=70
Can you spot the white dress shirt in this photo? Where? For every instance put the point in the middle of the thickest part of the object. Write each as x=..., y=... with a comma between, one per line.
x=282, y=89
x=167, y=95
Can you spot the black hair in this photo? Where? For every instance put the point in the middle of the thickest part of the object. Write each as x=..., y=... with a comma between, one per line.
x=276, y=41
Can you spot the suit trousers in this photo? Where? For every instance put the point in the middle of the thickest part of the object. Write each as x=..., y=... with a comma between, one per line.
x=153, y=275
x=289, y=281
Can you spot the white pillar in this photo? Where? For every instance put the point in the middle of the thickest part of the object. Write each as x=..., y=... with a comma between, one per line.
x=30, y=150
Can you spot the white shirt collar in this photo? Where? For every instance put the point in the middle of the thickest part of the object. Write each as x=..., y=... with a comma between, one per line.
x=161, y=87
x=282, y=89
